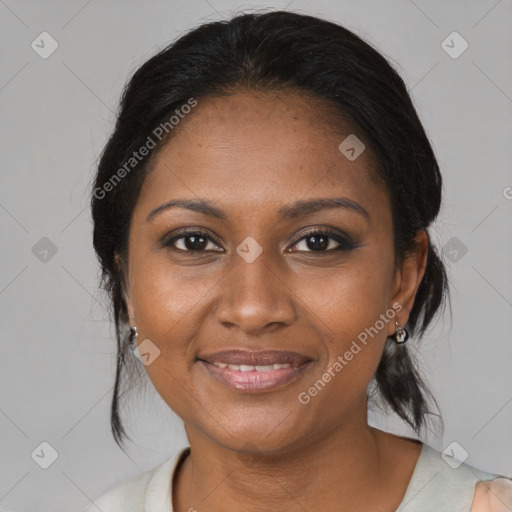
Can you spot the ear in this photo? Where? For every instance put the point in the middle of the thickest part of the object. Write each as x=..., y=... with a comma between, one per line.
x=408, y=279
x=125, y=289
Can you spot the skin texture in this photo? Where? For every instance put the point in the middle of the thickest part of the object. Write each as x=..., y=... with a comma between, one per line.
x=250, y=154
x=493, y=496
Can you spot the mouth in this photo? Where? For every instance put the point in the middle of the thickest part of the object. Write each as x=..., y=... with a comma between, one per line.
x=254, y=371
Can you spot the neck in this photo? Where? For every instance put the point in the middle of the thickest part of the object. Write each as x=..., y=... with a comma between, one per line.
x=344, y=468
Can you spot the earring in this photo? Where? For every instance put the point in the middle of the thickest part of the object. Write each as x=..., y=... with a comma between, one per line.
x=401, y=335
x=133, y=335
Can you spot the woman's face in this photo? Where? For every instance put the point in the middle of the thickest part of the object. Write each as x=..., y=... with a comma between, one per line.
x=257, y=280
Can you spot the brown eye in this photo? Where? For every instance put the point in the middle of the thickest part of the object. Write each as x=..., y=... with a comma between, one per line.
x=324, y=241
x=193, y=241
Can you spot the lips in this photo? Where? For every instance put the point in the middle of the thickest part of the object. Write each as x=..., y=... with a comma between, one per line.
x=243, y=357
x=254, y=371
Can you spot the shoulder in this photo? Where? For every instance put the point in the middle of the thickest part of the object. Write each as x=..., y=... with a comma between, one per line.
x=150, y=489
x=441, y=481
x=129, y=496
x=493, y=495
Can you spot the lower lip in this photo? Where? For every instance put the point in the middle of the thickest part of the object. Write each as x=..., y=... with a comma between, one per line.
x=253, y=381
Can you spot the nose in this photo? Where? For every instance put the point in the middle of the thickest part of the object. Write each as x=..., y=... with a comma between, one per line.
x=255, y=297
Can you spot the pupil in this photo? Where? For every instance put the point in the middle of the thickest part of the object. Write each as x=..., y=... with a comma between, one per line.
x=191, y=242
x=319, y=242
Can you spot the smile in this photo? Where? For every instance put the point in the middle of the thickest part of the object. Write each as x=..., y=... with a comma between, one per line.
x=252, y=371
x=251, y=368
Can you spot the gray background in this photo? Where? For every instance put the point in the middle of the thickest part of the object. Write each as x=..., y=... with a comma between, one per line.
x=57, y=363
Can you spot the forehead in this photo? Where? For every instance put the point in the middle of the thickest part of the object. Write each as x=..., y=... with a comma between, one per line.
x=251, y=148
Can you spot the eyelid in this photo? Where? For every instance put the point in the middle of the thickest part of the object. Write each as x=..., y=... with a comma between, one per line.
x=343, y=240
x=338, y=236
x=169, y=239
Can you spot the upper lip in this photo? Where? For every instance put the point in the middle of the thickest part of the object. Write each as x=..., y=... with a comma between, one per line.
x=254, y=357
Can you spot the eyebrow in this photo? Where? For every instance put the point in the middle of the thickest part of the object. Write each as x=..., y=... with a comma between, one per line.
x=298, y=209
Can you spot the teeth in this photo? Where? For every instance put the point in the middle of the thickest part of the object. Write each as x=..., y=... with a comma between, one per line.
x=285, y=365
x=251, y=368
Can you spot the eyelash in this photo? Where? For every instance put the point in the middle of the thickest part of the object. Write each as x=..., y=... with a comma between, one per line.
x=345, y=244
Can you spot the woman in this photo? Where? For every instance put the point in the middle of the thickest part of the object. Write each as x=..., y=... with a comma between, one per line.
x=261, y=216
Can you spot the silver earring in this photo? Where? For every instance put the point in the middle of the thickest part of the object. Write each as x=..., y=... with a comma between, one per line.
x=401, y=335
x=133, y=335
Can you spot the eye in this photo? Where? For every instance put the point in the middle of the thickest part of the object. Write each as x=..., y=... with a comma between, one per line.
x=324, y=240
x=316, y=240
x=192, y=241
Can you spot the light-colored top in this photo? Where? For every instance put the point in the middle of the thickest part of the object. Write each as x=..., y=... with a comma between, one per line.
x=435, y=486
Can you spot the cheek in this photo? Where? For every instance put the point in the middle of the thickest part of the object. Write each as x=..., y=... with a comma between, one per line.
x=164, y=295
x=170, y=307
x=351, y=305
x=353, y=294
